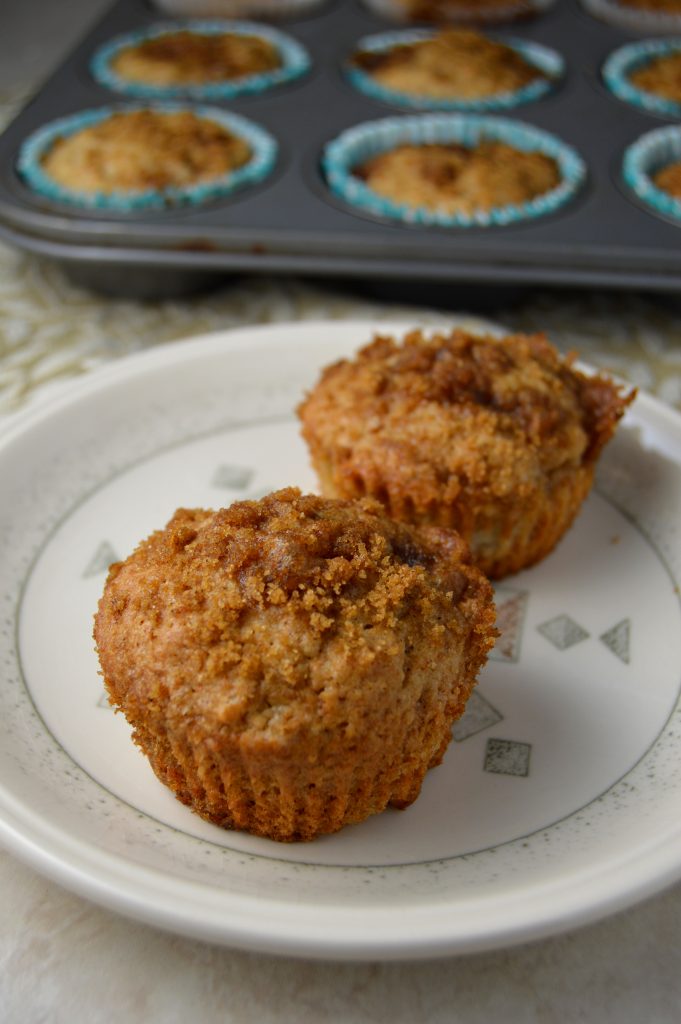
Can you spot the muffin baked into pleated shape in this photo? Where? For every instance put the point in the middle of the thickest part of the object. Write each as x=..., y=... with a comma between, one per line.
x=293, y=665
x=495, y=438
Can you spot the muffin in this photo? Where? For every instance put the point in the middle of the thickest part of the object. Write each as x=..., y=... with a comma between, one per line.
x=145, y=156
x=652, y=171
x=495, y=438
x=201, y=59
x=647, y=74
x=293, y=665
x=270, y=9
x=660, y=76
x=452, y=170
x=639, y=15
x=191, y=58
x=668, y=179
x=454, y=179
x=455, y=68
x=459, y=11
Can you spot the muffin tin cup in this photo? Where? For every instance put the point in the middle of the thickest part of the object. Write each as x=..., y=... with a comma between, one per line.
x=649, y=154
x=29, y=163
x=541, y=57
x=295, y=62
x=362, y=142
x=468, y=14
x=620, y=64
x=631, y=18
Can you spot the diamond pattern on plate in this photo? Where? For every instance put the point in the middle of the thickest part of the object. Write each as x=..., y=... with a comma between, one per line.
x=479, y=715
x=562, y=632
x=507, y=757
x=103, y=557
x=511, y=606
x=617, y=638
x=235, y=477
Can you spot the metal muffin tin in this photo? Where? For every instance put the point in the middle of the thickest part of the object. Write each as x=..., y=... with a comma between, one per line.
x=291, y=224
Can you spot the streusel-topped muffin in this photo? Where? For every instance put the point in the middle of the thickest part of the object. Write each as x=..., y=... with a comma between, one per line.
x=453, y=63
x=496, y=438
x=145, y=149
x=453, y=178
x=293, y=665
x=192, y=57
x=661, y=76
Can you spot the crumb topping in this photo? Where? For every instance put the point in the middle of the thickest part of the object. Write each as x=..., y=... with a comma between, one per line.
x=444, y=416
x=145, y=149
x=454, y=179
x=661, y=75
x=258, y=615
x=456, y=63
x=193, y=58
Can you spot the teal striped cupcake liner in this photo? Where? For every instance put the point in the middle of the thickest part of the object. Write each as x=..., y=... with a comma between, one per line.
x=295, y=62
x=364, y=141
x=620, y=65
x=36, y=146
x=541, y=57
x=633, y=18
x=649, y=154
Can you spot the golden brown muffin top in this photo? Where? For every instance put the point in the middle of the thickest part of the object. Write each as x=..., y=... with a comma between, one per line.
x=457, y=412
x=669, y=179
x=145, y=149
x=457, y=63
x=192, y=58
x=661, y=75
x=260, y=617
x=451, y=178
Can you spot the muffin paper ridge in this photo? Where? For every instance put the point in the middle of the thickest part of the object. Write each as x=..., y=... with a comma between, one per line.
x=539, y=56
x=649, y=153
x=263, y=145
x=472, y=15
x=363, y=141
x=294, y=57
x=622, y=62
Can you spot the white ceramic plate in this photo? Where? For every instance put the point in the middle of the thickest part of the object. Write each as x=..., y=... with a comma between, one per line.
x=559, y=799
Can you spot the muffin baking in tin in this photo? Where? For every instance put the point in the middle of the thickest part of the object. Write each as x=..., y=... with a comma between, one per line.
x=648, y=75
x=452, y=69
x=652, y=170
x=122, y=159
x=206, y=60
x=500, y=142
x=638, y=15
x=460, y=12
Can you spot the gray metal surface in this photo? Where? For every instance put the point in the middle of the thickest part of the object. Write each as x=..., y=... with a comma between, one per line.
x=291, y=224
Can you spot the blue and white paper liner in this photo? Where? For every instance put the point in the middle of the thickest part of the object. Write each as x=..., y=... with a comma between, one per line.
x=295, y=61
x=396, y=10
x=649, y=154
x=620, y=65
x=540, y=57
x=633, y=18
x=29, y=164
x=364, y=141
